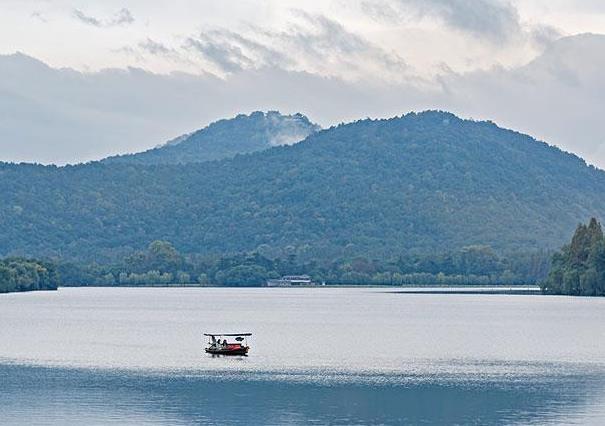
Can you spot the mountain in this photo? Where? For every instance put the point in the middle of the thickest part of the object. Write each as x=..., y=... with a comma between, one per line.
x=227, y=138
x=420, y=183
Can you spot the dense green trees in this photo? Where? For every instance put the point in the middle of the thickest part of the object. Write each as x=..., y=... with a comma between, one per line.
x=579, y=268
x=17, y=274
x=162, y=264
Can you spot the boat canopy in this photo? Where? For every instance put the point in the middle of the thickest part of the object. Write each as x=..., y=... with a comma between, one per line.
x=227, y=334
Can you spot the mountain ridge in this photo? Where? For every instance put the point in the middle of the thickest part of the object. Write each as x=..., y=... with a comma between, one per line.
x=419, y=183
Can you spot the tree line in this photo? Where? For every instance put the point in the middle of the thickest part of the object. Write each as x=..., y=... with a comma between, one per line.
x=19, y=274
x=578, y=269
x=162, y=264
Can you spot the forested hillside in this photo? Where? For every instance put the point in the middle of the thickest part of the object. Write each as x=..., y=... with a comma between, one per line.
x=419, y=184
x=227, y=138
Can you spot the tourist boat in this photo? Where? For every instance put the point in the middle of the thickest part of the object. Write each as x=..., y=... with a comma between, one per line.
x=216, y=347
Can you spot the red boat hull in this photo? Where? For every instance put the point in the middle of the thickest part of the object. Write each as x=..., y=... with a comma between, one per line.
x=229, y=350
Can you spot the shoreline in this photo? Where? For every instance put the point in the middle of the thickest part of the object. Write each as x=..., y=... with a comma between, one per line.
x=311, y=286
x=504, y=289
x=30, y=291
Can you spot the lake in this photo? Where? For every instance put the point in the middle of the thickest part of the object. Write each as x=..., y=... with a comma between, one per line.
x=318, y=355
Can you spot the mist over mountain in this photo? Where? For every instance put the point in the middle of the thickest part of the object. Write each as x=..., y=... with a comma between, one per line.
x=420, y=183
x=227, y=138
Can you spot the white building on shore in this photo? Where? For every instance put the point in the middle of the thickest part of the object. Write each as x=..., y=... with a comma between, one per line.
x=291, y=281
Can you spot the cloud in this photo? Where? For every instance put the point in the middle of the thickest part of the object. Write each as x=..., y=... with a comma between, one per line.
x=313, y=43
x=497, y=20
x=228, y=57
x=223, y=50
x=320, y=44
x=544, y=35
x=155, y=48
x=257, y=51
x=121, y=17
x=151, y=48
x=382, y=10
x=494, y=21
x=231, y=52
x=88, y=20
x=39, y=16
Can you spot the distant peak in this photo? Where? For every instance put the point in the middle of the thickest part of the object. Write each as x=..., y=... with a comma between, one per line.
x=273, y=114
x=435, y=113
x=225, y=138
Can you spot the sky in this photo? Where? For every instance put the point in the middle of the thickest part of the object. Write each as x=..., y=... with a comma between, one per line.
x=81, y=80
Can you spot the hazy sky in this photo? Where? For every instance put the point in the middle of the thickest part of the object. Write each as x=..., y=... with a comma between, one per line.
x=99, y=78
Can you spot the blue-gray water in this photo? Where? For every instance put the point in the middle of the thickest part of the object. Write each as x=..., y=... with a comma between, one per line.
x=323, y=355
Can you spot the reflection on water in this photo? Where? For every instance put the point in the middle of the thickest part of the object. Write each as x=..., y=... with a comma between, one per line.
x=41, y=395
x=325, y=356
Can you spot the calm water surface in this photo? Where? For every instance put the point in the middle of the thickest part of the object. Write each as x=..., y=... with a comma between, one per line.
x=319, y=355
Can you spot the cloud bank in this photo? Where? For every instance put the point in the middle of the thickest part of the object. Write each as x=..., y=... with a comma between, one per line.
x=61, y=115
x=333, y=61
x=313, y=43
